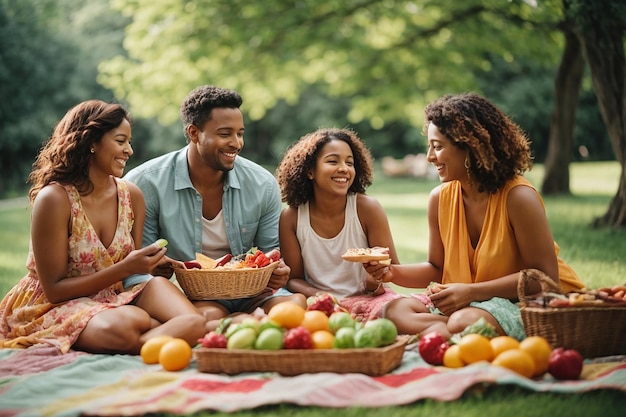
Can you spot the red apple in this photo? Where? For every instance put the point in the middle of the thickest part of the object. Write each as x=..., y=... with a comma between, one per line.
x=432, y=347
x=565, y=363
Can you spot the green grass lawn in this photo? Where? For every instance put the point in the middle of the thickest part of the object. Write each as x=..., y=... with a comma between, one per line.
x=596, y=254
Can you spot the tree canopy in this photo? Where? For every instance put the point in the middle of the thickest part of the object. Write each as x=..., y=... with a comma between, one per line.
x=390, y=57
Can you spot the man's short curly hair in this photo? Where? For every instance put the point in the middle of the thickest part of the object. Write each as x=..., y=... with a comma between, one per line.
x=292, y=171
x=197, y=107
x=498, y=149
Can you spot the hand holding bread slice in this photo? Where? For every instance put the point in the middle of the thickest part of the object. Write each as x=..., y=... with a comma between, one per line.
x=363, y=255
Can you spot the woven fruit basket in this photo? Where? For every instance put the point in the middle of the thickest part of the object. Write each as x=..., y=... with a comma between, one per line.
x=596, y=329
x=223, y=283
x=289, y=362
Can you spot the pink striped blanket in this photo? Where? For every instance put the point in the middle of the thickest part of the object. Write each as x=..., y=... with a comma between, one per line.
x=40, y=381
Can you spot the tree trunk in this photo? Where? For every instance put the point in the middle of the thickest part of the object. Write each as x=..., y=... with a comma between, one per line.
x=600, y=27
x=566, y=92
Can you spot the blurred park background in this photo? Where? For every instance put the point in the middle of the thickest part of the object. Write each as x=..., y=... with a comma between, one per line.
x=556, y=66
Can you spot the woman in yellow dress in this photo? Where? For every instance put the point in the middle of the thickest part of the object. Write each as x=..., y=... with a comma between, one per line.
x=486, y=224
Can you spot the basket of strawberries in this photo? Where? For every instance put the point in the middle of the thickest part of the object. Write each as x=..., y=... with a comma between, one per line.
x=229, y=277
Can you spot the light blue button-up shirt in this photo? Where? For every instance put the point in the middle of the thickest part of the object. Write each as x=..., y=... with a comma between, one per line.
x=251, y=205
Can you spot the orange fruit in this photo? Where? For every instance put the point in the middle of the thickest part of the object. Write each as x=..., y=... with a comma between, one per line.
x=175, y=355
x=315, y=320
x=501, y=343
x=322, y=339
x=287, y=314
x=474, y=348
x=452, y=357
x=517, y=361
x=150, y=350
x=539, y=349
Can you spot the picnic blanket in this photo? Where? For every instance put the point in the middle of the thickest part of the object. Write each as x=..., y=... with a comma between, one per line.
x=40, y=381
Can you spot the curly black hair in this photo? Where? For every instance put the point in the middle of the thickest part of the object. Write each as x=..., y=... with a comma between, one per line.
x=498, y=149
x=65, y=157
x=300, y=158
x=197, y=107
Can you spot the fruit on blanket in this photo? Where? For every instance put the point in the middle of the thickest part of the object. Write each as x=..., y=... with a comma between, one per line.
x=452, y=359
x=344, y=338
x=565, y=363
x=539, y=348
x=287, y=314
x=323, y=302
x=243, y=338
x=322, y=339
x=432, y=347
x=517, y=360
x=175, y=355
x=270, y=338
x=501, y=343
x=149, y=351
x=340, y=319
x=388, y=330
x=475, y=347
x=298, y=338
x=315, y=320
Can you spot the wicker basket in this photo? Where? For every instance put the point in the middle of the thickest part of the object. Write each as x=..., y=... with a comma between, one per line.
x=289, y=362
x=593, y=331
x=223, y=284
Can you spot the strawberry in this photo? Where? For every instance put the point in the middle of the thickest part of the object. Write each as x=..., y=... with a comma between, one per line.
x=298, y=338
x=261, y=260
x=432, y=347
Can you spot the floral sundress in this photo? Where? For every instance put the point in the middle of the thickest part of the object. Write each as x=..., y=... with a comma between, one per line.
x=27, y=318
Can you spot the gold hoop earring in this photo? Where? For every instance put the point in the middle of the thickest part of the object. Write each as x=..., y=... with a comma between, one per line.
x=467, y=167
x=92, y=150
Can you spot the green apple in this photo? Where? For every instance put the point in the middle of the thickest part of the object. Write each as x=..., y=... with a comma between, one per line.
x=367, y=337
x=269, y=339
x=344, y=338
x=242, y=339
x=388, y=330
x=340, y=319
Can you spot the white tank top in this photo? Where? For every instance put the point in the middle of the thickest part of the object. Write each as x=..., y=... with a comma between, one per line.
x=323, y=266
x=214, y=240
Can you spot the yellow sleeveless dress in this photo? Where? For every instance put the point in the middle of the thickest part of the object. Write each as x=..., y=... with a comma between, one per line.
x=496, y=253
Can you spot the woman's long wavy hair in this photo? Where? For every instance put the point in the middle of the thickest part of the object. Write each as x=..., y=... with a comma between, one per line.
x=497, y=147
x=292, y=171
x=66, y=155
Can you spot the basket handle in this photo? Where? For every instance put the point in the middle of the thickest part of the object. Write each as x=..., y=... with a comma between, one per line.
x=528, y=275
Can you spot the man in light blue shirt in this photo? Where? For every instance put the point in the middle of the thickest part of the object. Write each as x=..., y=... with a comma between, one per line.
x=205, y=198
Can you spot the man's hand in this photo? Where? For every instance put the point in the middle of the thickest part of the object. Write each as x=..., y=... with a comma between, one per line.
x=280, y=276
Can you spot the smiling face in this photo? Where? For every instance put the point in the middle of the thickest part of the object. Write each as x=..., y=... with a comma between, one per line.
x=334, y=169
x=112, y=152
x=448, y=158
x=220, y=140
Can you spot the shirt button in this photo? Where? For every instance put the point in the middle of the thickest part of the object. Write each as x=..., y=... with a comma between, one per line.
x=243, y=229
x=197, y=220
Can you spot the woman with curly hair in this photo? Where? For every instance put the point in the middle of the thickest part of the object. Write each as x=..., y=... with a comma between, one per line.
x=323, y=178
x=486, y=224
x=85, y=241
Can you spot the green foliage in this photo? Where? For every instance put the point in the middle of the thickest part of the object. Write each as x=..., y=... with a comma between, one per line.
x=389, y=57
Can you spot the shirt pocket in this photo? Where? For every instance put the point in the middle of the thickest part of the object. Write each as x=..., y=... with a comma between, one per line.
x=247, y=233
